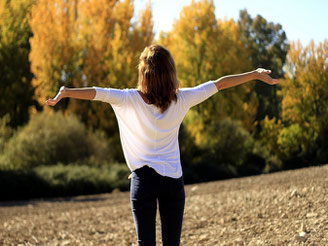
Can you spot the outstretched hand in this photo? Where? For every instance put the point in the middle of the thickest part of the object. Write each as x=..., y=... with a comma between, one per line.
x=57, y=98
x=263, y=75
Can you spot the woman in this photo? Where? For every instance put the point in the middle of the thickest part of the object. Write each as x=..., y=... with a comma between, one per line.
x=149, y=118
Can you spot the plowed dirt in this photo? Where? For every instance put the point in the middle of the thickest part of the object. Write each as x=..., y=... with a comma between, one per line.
x=285, y=208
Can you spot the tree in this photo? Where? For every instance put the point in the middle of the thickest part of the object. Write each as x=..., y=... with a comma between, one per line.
x=16, y=99
x=205, y=49
x=268, y=46
x=305, y=93
x=302, y=131
x=87, y=43
x=55, y=50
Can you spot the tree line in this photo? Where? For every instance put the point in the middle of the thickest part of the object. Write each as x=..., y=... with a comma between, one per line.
x=252, y=128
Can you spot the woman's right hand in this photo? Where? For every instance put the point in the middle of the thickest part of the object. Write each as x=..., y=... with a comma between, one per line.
x=264, y=75
x=58, y=97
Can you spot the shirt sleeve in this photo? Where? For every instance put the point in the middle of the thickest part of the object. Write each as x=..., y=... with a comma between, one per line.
x=110, y=95
x=195, y=95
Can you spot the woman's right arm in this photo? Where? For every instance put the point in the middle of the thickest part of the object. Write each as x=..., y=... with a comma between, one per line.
x=87, y=93
x=237, y=79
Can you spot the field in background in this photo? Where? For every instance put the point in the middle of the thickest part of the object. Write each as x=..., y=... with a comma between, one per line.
x=283, y=208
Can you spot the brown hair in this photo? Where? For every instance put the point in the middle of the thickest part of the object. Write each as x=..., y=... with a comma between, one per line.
x=157, y=76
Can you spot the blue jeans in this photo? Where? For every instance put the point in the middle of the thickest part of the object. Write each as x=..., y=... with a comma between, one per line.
x=147, y=186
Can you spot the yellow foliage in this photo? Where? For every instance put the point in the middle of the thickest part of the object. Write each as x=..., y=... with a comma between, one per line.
x=306, y=84
x=87, y=43
x=53, y=44
x=305, y=93
x=271, y=129
x=12, y=18
x=205, y=48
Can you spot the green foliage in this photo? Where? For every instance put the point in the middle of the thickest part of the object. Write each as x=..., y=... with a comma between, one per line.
x=261, y=152
x=268, y=46
x=300, y=136
x=290, y=140
x=286, y=142
x=305, y=93
x=225, y=150
x=62, y=180
x=322, y=143
x=52, y=138
x=72, y=179
x=15, y=86
x=227, y=142
x=118, y=175
x=6, y=131
x=269, y=134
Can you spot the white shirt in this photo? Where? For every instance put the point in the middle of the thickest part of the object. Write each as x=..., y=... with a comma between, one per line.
x=149, y=137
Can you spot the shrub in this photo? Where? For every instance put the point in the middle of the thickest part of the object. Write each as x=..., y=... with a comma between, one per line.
x=22, y=184
x=6, y=131
x=118, y=175
x=51, y=138
x=62, y=180
x=227, y=142
x=290, y=141
x=68, y=180
x=270, y=129
x=322, y=144
x=226, y=150
x=73, y=180
x=294, y=144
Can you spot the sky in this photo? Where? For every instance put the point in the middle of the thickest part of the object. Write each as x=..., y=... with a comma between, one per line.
x=303, y=20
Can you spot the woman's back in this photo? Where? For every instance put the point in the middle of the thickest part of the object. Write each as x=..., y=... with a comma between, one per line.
x=149, y=136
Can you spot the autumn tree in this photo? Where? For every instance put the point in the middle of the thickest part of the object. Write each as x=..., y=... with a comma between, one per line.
x=268, y=46
x=107, y=57
x=205, y=48
x=305, y=92
x=87, y=43
x=303, y=129
x=16, y=90
x=54, y=56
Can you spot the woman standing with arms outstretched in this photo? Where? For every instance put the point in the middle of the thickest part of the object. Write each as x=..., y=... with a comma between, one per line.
x=149, y=118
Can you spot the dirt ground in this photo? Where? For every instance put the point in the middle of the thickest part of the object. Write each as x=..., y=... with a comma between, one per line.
x=286, y=208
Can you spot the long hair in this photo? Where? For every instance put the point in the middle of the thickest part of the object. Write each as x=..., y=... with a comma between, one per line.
x=157, y=76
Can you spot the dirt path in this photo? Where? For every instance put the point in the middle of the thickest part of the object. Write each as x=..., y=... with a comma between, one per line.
x=286, y=208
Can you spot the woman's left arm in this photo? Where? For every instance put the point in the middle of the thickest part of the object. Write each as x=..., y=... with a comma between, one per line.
x=233, y=80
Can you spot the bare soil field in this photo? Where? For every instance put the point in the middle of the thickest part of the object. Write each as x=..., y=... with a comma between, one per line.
x=285, y=208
